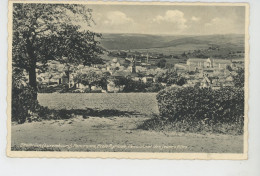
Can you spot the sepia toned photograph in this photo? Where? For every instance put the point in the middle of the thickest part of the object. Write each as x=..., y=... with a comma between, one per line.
x=128, y=80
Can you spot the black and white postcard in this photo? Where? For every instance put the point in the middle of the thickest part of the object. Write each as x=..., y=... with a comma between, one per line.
x=138, y=80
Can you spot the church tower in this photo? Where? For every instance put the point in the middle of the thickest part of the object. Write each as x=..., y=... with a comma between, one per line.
x=133, y=67
x=147, y=58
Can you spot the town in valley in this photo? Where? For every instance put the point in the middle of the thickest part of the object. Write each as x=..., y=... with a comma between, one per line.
x=202, y=68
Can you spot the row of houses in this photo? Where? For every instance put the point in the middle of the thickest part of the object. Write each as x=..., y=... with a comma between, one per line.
x=214, y=82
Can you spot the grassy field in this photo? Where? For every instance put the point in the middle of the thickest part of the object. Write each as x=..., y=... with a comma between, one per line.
x=112, y=133
x=141, y=103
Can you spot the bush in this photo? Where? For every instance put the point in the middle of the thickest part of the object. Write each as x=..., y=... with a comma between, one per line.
x=23, y=103
x=223, y=105
x=140, y=86
x=155, y=87
x=25, y=108
x=195, y=109
x=135, y=86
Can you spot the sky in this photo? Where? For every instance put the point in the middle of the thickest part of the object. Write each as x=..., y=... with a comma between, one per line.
x=168, y=19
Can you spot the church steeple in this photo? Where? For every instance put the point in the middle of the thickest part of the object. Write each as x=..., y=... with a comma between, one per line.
x=133, y=67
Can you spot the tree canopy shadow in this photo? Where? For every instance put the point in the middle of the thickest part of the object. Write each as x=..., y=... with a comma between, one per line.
x=68, y=113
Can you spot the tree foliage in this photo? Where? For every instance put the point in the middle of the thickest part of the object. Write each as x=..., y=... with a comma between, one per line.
x=92, y=78
x=239, y=78
x=161, y=63
x=23, y=101
x=121, y=81
x=134, y=86
x=43, y=32
x=171, y=77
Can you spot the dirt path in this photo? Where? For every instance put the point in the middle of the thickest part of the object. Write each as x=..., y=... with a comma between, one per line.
x=98, y=134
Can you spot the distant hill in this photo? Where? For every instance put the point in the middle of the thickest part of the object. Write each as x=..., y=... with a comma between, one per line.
x=170, y=44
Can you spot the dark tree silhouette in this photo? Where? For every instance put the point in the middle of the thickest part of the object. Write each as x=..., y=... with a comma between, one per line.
x=43, y=32
x=239, y=78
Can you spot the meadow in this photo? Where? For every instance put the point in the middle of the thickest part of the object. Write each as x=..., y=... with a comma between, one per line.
x=141, y=103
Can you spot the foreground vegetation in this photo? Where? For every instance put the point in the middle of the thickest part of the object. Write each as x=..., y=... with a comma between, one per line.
x=199, y=110
x=180, y=109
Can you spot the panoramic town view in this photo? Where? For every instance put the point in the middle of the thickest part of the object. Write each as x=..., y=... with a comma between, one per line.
x=128, y=78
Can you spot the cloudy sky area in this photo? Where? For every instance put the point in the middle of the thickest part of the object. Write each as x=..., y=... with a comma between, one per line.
x=182, y=20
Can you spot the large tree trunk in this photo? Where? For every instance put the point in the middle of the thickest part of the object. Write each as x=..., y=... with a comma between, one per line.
x=32, y=78
x=32, y=70
x=32, y=82
x=68, y=75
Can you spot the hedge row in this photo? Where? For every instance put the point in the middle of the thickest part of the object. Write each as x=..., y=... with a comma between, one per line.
x=209, y=106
